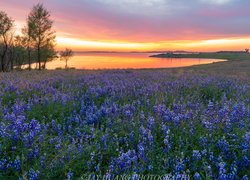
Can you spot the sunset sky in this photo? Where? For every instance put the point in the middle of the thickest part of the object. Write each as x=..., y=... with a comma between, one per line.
x=143, y=25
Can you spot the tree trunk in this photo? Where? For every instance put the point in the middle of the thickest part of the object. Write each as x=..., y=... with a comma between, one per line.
x=9, y=64
x=3, y=58
x=11, y=59
x=29, y=58
x=39, y=57
x=44, y=65
x=4, y=53
x=39, y=49
x=2, y=66
x=2, y=63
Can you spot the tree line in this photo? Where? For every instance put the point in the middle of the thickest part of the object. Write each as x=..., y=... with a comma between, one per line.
x=35, y=45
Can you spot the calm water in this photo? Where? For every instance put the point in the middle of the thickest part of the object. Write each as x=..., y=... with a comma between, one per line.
x=124, y=60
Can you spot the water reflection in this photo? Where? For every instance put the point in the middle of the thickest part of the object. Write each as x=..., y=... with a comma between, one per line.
x=124, y=61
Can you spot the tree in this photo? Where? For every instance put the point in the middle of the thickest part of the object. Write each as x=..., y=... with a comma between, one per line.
x=27, y=43
x=247, y=50
x=48, y=53
x=19, y=52
x=40, y=31
x=66, y=55
x=6, y=26
x=9, y=65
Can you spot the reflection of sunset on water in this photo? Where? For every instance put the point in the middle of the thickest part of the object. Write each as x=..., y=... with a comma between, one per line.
x=124, y=60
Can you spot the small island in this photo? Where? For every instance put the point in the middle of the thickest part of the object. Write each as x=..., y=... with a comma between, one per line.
x=228, y=55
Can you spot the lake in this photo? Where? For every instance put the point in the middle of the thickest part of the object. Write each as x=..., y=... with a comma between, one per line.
x=125, y=61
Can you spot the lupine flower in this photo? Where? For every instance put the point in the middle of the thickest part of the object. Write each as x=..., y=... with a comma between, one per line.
x=17, y=164
x=151, y=122
x=124, y=122
x=197, y=176
x=126, y=161
x=33, y=175
x=223, y=145
x=245, y=177
x=69, y=175
x=196, y=155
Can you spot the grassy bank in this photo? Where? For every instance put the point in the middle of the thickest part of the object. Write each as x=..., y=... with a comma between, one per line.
x=238, y=63
x=209, y=55
x=239, y=68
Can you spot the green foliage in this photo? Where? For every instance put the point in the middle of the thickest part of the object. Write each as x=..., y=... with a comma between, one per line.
x=9, y=98
x=211, y=93
x=6, y=26
x=40, y=31
x=50, y=111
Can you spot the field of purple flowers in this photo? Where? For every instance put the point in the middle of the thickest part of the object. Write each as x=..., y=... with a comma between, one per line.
x=61, y=125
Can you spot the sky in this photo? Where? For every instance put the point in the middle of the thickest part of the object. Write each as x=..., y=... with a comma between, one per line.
x=143, y=25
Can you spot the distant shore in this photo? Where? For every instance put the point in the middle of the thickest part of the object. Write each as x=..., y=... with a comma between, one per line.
x=227, y=55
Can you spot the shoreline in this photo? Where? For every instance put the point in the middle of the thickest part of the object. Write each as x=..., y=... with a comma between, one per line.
x=230, y=56
x=228, y=68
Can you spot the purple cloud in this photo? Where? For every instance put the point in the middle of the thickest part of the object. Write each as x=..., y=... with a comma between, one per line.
x=142, y=20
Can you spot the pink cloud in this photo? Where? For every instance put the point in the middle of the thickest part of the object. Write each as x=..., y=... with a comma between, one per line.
x=92, y=20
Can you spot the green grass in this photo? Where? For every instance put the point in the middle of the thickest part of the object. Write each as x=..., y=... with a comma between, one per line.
x=209, y=55
x=237, y=64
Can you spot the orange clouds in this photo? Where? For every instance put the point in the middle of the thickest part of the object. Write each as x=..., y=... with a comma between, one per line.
x=154, y=25
x=191, y=45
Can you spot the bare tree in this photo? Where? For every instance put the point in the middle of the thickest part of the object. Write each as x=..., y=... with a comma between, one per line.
x=66, y=55
x=247, y=50
x=40, y=31
x=6, y=26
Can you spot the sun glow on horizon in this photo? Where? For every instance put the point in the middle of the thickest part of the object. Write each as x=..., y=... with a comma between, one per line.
x=192, y=45
x=148, y=25
x=86, y=44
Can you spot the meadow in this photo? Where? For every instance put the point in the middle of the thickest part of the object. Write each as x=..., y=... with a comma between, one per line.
x=66, y=124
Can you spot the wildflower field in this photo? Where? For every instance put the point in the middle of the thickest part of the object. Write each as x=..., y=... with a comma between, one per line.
x=64, y=124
